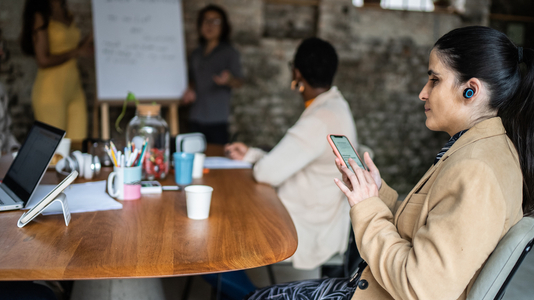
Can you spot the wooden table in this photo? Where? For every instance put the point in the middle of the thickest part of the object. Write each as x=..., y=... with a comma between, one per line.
x=152, y=237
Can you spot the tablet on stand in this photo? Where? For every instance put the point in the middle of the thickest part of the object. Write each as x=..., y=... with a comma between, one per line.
x=55, y=195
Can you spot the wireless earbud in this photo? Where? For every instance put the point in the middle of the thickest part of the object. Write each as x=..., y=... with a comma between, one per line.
x=468, y=93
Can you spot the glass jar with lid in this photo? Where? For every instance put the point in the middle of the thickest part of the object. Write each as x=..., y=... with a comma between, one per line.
x=149, y=126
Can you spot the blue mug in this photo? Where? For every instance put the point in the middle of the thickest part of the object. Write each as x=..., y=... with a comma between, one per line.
x=183, y=167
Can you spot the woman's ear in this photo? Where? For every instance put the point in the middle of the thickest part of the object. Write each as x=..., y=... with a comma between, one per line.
x=472, y=90
x=297, y=76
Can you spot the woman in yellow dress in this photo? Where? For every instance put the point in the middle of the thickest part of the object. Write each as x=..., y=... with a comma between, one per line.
x=49, y=34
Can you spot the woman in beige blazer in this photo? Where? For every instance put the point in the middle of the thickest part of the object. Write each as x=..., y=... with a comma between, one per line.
x=433, y=244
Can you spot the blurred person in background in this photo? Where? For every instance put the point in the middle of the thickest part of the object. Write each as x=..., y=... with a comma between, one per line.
x=300, y=165
x=214, y=70
x=51, y=37
x=8, y=143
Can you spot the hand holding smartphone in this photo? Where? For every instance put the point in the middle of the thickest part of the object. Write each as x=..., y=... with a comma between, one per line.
x=344, y=150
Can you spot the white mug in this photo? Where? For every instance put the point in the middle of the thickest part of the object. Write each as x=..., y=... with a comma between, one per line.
x=198, y=165
x=63, y=148
x=125, y=183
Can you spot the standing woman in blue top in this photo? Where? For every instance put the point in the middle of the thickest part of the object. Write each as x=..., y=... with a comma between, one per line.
x=214, y=70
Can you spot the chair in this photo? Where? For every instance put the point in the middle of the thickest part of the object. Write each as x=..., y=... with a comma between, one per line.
x=339, y=265
x=503, y=262
x=343, y=264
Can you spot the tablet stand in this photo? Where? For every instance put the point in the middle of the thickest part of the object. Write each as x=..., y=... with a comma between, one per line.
x=61, y=198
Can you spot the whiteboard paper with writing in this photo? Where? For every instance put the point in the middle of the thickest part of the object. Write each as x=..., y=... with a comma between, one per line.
x=139, y=47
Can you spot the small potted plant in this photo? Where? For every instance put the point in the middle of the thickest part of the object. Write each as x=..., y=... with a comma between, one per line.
x=129, y=98
x=148, y=127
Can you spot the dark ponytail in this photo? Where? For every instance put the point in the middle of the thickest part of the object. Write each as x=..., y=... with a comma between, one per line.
x=31, y=8
x=518, y=119
x=508, y=71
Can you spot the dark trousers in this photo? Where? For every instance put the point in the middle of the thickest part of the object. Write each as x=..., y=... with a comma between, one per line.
x=215, y=133
x=234, y=285
x=318, y=289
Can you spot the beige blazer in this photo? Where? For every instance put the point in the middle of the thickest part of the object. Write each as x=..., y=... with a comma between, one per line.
x=302, y=169
x=434, y=243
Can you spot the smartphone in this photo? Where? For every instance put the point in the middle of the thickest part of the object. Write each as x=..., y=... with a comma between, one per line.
x=151, y=187
x=344, y=150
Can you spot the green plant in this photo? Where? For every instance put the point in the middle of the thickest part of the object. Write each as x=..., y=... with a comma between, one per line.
x=129, y=97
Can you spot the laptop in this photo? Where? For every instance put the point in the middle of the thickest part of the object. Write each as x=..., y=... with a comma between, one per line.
x=29, y=166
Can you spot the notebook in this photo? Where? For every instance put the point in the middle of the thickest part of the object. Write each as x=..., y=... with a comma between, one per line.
x=29, y=166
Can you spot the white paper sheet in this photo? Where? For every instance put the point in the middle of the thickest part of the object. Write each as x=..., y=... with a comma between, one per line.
x=82, y=197
x=218, y=162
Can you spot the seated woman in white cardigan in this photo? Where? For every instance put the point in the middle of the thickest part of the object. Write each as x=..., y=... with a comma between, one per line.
x=300, y=165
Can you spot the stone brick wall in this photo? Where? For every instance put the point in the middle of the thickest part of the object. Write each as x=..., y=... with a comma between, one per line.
x=383, y=64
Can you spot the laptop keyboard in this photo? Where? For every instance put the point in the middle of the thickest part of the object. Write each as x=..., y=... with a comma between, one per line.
x=4, y=195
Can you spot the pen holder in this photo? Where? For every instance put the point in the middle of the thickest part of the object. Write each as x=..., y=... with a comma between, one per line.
x=125, y=183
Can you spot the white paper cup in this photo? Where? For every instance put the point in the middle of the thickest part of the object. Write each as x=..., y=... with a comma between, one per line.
x=198, y=199
x=198, y=165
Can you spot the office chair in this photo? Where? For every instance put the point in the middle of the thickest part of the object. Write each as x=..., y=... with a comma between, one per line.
x=344, y=264
x=339, y=265
x=503, y=262
x=492, y=281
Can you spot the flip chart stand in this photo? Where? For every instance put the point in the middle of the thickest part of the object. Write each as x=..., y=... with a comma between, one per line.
x=172, y=118
x=61, y=198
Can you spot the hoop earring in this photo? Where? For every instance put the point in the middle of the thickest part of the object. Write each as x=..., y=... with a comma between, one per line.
x=293, y=85
x=301, y=87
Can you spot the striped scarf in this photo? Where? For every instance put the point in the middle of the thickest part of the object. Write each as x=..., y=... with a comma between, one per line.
x=449, y=144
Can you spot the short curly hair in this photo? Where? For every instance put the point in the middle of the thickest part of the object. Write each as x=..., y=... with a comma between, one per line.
x=317, y=61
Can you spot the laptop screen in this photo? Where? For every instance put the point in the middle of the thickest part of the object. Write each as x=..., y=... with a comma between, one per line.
x=32, y=159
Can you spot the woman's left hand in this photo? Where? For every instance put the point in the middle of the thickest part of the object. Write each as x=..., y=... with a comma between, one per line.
x=236, y=150
x=363, y=184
